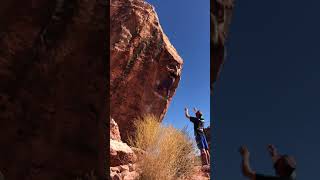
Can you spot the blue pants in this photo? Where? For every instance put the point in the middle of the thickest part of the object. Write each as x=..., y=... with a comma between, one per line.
x=202, y=141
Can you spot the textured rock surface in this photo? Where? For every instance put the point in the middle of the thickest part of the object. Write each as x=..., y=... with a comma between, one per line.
x=123, y=174
x=121, y=153
x=145, y=67
x=114, y=130
x=122, y=158
x=52, y=93
x=221, y=13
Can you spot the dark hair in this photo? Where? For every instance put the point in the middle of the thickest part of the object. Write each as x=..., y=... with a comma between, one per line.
x=289, y=162
x=199, y=113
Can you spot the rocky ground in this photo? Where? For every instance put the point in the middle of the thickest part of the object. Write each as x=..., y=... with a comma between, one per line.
x=201, y=173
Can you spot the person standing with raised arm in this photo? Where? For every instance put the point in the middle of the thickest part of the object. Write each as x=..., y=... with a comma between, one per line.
x=198, y=124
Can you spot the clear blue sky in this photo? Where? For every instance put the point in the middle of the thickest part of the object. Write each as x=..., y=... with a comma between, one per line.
x=187, y=25
x=269, y=90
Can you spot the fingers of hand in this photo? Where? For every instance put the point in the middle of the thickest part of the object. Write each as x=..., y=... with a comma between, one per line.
x=271, y=148
x=243, y=150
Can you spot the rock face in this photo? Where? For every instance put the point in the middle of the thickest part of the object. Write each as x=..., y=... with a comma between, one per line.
x=145, y=67
x=53, y=88
x=121, y=153
x=123, y=159
x=114, y=130
x=221, y=13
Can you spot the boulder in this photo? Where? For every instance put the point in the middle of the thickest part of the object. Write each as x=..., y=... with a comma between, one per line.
x=121, y=154
x=145, y=68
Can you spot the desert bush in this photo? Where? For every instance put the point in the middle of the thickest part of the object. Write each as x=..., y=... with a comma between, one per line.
x=147, y=129
x=169, y=152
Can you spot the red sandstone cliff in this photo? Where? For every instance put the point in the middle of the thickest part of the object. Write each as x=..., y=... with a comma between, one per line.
x=52, y=94
x=145, y=67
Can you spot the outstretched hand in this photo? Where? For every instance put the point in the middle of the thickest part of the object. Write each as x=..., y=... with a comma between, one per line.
x=272, y=150
x=186, y=113
x=244, y=152
x=195, y=109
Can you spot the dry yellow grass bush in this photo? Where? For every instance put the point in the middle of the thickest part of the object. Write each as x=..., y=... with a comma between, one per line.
x=169, y=153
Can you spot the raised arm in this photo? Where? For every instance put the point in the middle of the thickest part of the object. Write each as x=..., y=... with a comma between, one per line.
x=195, y=110
x=176, y=71
x=170, y=70
x=245, y=164
x=186, y=113
x=273, y=152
